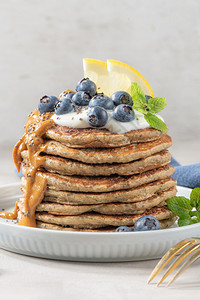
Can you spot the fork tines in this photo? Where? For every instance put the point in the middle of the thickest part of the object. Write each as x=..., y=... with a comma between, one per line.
x=190, y=252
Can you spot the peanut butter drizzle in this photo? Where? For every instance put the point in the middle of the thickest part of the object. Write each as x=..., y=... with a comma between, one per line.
x=32, y=141
x=10, y=215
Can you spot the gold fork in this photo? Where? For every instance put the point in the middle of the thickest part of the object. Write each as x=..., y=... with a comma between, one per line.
x=190, y=252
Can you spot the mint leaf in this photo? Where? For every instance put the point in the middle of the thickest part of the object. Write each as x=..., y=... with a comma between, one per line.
x=138, y=96
x=184, y=208
x=195, y=213
x=180, y=206
x=184, y=222
x=156, y=104
x=137, y=90
x=195, y=220
x=140, y=104
x=195, y=198
x=155, y=122
x=187, y=221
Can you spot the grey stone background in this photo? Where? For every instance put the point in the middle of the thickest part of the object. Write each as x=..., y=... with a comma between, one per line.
x=43, y=43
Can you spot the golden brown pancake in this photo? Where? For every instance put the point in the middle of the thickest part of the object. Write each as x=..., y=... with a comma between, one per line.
x=101, y=184
x=138, y=194
x=109, y=155
x=95, y=220
x=126, y=196
x=100, y=138
x=65, y=166
x=166, y=223
x=108, y=209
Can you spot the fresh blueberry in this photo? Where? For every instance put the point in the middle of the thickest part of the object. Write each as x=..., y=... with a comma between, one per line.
x=123, y=113
x=81, y=98
x=123, y=229
x=47, y=104
x=97, y=116
x=69, y=95
x=66, y=93
x=102, y=101
x=121, y=97
x=147, y=223
x=147, y=97
x=86, y=85
x=64, y=106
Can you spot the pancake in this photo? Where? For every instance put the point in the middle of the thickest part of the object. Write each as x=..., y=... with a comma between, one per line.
x=132, y=195
x=128, y=196
x=101, y=184
x=95, y=220
x=166, y=223
x=108, y=209
x=65, y=166
x=100, y=138
x=111, y=155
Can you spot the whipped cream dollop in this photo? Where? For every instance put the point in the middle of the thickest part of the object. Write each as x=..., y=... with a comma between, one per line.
x=78, y=119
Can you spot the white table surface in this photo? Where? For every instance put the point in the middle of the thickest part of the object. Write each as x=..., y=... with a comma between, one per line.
x=23, y=277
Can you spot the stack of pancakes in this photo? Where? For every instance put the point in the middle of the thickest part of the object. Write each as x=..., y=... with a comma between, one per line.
x=98, y=180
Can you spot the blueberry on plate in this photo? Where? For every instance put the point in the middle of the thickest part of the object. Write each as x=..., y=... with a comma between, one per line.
x=123, y=229
x=147, y=223
x=64, y=106
x=102, y=101
x=81, y=98
x=123, y=113
x=47, y=104
x=86, y=85
x=147, y=97
x=97, y=117
x=121, y=97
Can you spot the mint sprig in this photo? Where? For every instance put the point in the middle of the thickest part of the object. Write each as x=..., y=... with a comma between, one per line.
x=148, y=108
x=188, y=210
x=140, y=104
x=155, y=122
x=136, y=90
x=156, y=104
x=195, y=198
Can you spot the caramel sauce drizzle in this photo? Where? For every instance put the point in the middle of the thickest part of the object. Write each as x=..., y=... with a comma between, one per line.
x=32, y=140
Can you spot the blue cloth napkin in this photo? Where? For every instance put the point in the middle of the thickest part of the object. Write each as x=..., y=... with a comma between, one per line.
x=188, y=176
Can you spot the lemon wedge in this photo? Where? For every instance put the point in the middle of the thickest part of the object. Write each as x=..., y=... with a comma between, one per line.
x=114, y=76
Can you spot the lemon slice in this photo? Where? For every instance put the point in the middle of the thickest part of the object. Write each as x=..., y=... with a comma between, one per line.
x=114, y=76
x=97, y=71
x=124, y=74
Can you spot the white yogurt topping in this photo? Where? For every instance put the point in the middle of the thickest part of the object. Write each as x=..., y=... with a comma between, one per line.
x=79, y=120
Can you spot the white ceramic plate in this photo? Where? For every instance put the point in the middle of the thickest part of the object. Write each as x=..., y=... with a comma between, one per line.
x=86, y=246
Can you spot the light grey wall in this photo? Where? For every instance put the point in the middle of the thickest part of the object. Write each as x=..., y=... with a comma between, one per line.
x=43, y=42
